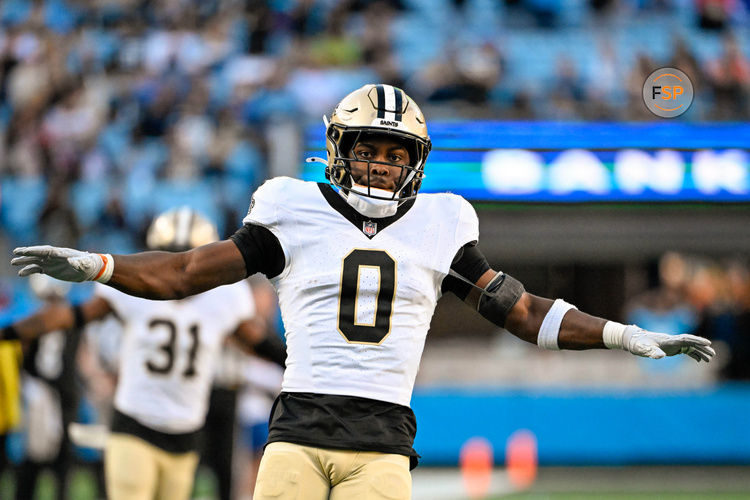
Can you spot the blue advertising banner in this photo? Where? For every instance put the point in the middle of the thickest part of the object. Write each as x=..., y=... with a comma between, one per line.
x=589, y=427
x=582, y=162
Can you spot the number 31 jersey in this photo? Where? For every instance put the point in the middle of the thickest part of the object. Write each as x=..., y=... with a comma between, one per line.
x=170, y=350
x=357, y=294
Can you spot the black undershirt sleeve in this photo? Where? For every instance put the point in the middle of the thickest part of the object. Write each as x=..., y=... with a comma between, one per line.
x=470, y=263
x=261, y=250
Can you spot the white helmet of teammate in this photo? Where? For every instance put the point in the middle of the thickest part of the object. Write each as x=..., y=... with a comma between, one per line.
x=180, y=229
x=48, y=288
x=381, y=110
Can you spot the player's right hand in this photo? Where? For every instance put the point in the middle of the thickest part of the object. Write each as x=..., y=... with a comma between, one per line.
x=63, y=263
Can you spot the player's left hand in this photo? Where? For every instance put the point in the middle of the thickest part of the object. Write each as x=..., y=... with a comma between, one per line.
x=657, y=345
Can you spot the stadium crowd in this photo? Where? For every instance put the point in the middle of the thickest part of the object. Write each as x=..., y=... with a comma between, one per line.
x=113, y=111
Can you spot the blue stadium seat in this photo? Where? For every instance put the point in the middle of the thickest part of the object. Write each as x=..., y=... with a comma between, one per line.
x=136, y=197
x=115, y=241
x=22, y=202
x=197, y=194
x=89, y=198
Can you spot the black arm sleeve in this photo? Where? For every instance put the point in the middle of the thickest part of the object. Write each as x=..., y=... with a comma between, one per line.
x=260, y=249
x=470, y=263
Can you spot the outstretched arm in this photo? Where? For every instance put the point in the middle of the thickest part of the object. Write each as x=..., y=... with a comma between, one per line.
x=578, y=330
x=255, y=337
x=167, y=275
x=574, y=329
x=56, y=316
x=152, y=275
x=558, y=325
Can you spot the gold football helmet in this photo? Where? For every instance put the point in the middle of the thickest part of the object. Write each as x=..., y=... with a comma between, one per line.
x=377, y=109
x=180, y=229
x=48, y=288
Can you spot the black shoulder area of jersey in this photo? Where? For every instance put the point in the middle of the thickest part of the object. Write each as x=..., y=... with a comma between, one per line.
x=260, y=249
x=338, y=203
x=470, y=263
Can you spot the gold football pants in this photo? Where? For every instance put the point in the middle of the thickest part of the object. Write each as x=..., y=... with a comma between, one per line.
x=137, y=470
x=294, y=472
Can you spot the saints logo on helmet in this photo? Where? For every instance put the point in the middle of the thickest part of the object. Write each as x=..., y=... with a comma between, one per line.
x=180, y=229
x=380, y=110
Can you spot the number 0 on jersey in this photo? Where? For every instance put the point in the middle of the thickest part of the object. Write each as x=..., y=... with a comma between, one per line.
x=368, y=286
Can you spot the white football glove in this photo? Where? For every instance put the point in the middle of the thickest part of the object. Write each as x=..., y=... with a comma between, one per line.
x=64, y=264
x=657, y=345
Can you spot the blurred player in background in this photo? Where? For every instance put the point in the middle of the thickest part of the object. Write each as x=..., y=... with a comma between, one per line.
x=218, y=432
x=234, y=373
x=51, y=392
x=169, y=351
x=262, y=386
x=10, y=404
x=358, y=267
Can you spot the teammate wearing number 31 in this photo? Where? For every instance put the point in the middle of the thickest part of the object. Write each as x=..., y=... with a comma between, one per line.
x=167, y=363
x=358, y=265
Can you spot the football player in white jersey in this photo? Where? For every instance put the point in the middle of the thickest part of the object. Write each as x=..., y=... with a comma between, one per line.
x=168, y=360
x=358, y=265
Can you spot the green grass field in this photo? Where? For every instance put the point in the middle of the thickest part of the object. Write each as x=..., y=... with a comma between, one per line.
x=554, y=483
x=83, y=486
x=590, y=483
x=623, y=496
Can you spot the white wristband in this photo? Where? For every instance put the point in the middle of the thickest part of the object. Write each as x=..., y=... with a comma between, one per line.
x=550, y=329
x=107, y=269
x=612, y=334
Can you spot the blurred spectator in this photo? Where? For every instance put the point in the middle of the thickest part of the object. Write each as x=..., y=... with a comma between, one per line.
x=602, y=7
x=57, y=221
x=729, y=79
x=635, y=109
x=567, y=91
x=714, y=14
x=545, y=12
x=726, y=317
x=604, y=94
x=684, y=59
x=377, y=42
x=51, y=393
x=467, y=74
x=665, y=308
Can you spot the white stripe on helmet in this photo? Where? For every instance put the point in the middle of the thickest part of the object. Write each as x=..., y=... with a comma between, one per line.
x=390, y=102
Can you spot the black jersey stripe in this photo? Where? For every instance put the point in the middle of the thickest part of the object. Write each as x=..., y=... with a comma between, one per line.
x=380, y=106
x=183, y=442
x=399, y=103
x=343, y=423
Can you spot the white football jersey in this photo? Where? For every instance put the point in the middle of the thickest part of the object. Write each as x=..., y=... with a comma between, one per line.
x=357, y=300
x=169, y=352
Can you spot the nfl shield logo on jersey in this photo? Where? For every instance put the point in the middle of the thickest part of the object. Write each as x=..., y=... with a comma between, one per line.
x=370, y=228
